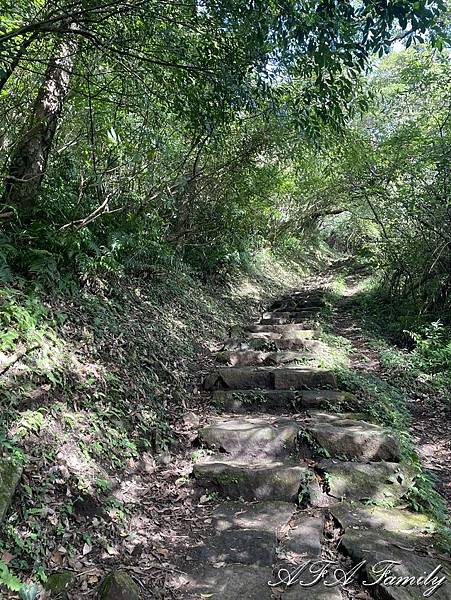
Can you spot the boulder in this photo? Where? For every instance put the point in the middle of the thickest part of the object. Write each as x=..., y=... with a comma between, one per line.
x=118, y=585
x=377, y=481
x=10, y=474
x=252, y=437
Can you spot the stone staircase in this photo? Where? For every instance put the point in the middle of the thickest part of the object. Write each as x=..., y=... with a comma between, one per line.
x=289, y=467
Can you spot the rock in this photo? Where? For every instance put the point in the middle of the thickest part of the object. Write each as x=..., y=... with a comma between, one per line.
x=379, y=481
x=244, y=546
x=241, y=401
x=260, y=516
x=327, y=398
x=283, y=318
x=248, y=358
x=298, y=335
x=233, y=582
x=317, y=592
x=341, y=436
x=243, y=378
x=285, y=329
x=374, y=546
x=252, y=437
x=358, y=516
x=59, y=583
x=304, y=537
x=293, y=303
x=10, y=474
x=300, y=378
x=261, y=400
x=118, y=585
x=252, y=480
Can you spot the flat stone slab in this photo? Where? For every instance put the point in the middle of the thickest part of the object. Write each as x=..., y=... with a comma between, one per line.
x=296, y=303
x=10, y=474
x=272, y=342
x=317, y=592
x=285, y=329
x=374, y=546
x=380, y=481
x=242, y=401
x=239, y=378
x=344, y=437
x=358, y=516
x=243, y=546
x=232, y=582
x=281, y=378
x=303, y=539
x=252, y=480
x=248, y=358
x=284, y=318
x=297, y=335
x=327, y=398
x=301, y=378
x=259, y=516
x=252, y=437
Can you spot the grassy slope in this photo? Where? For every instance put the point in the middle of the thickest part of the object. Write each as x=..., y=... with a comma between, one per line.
x=95, y=380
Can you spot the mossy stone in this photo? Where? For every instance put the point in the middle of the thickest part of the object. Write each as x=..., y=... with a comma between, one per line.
x=10, y=474
x=118, y=585
x=58, y=584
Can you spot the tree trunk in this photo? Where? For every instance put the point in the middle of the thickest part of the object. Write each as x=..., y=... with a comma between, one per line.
x=29, y=160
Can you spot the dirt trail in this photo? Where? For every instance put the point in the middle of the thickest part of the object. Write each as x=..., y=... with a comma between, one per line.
x=430, y=429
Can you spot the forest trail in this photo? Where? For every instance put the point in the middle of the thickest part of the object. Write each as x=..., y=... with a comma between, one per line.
x=297, y=474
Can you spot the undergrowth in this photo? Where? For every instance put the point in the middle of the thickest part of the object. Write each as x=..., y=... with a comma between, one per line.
x=412, y=361
x=95, y=378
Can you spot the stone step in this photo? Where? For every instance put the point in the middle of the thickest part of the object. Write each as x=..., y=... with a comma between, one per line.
x=301, y=378
x=296, y=303
x=247, y=378
x=251, y=437
x=253, y=479
x=283, y=318
x=272, y=346
x=249, y=358
x=298, y=335
x=247, y=582
x=285, y=329
x=346, y=437
x=271, y=516
x=285, y=400
x=271, y=342
x=374, y=547
x=384, y=482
